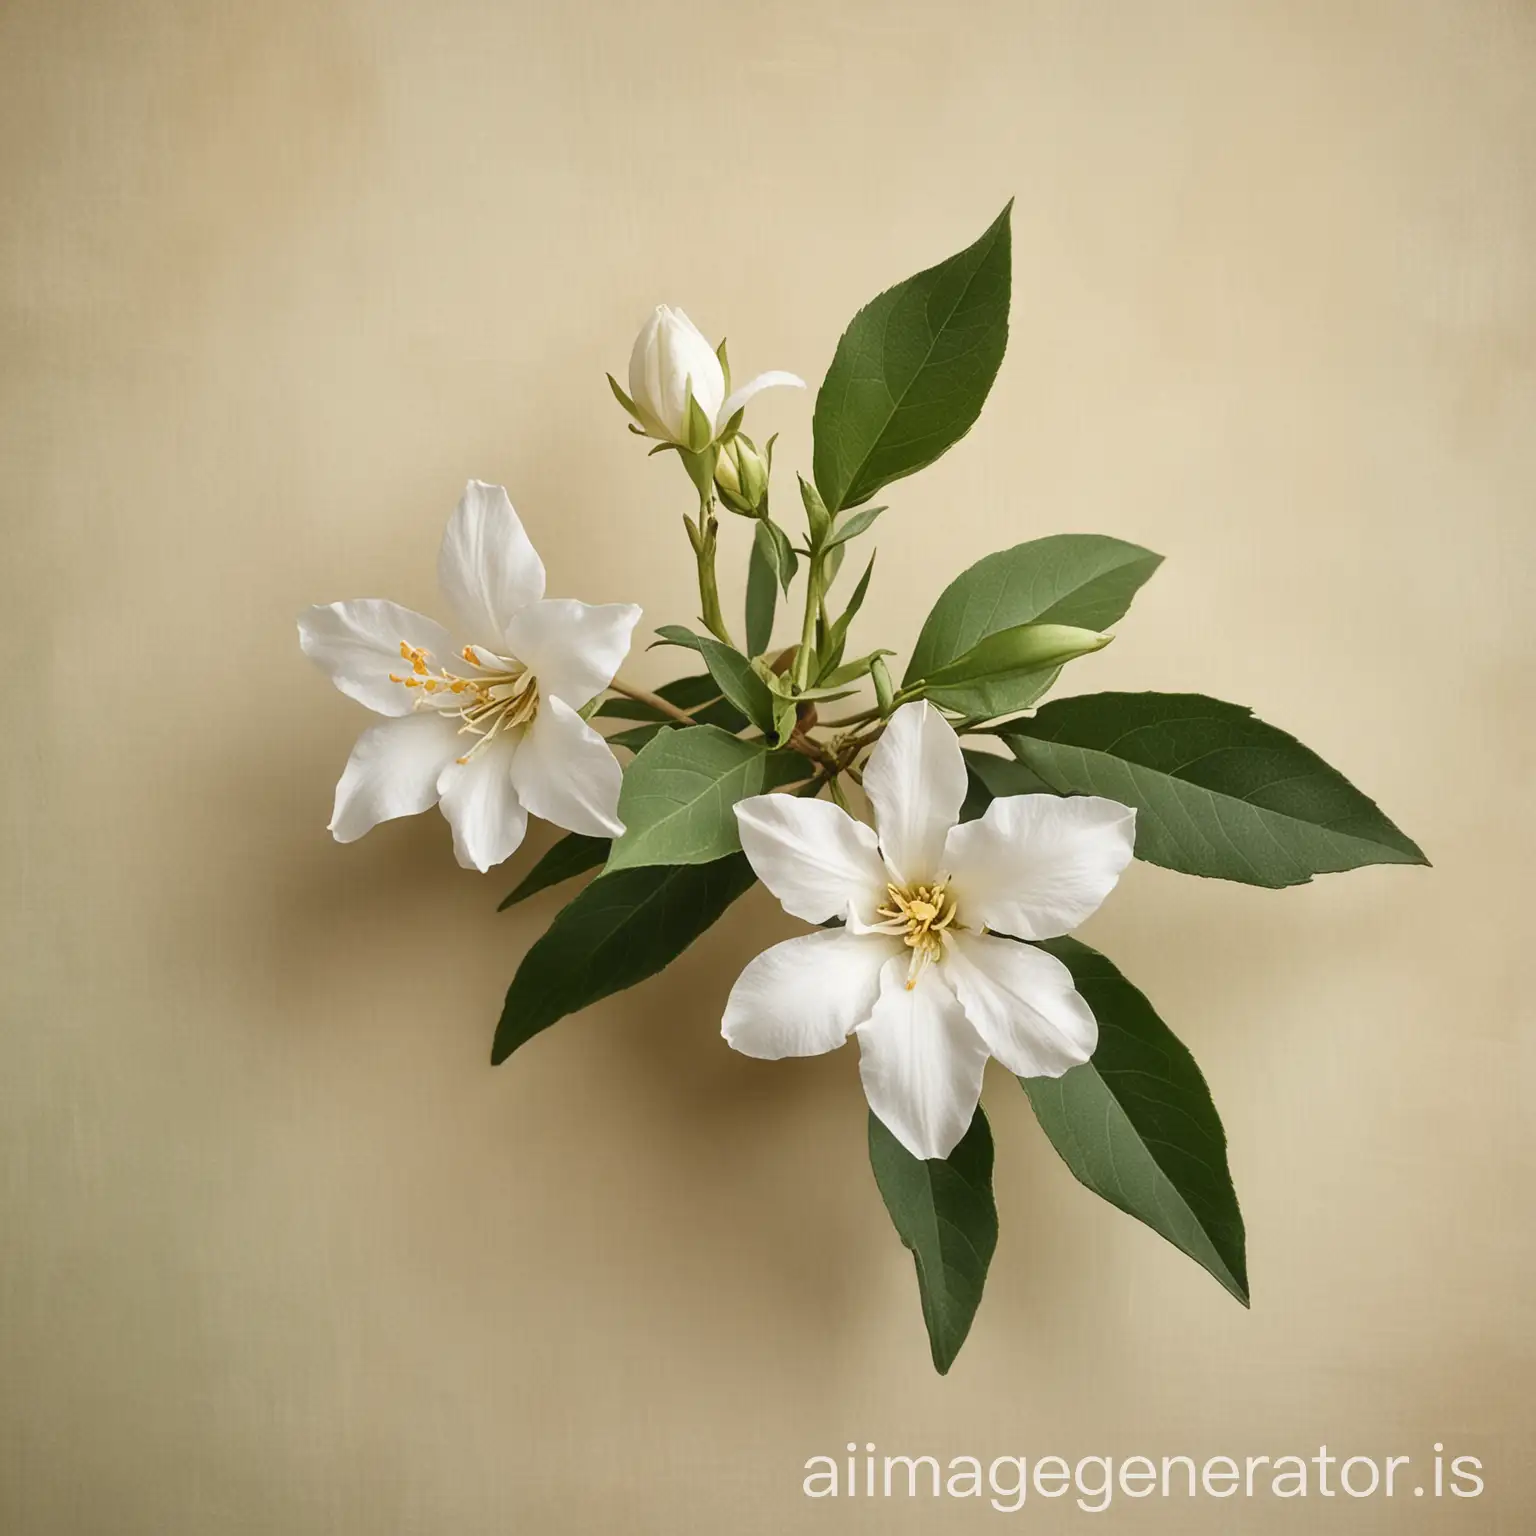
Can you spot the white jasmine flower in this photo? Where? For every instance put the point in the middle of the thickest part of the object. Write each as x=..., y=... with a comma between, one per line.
x=671, y=361
x=918, y=972
x=484, y=719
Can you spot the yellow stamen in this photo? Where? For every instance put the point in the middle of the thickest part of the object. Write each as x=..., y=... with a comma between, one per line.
x=504, y=697
x=921, y=915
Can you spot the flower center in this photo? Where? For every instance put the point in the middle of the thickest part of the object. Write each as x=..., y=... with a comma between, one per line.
x=921, y=915
x=503, y=696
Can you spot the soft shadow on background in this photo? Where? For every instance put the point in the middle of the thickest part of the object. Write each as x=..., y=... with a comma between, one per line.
x=282, y=1252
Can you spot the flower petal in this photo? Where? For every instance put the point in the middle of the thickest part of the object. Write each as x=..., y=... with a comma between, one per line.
x=487, y=567
x=1036, y=866
x=803, y=997
x=573, y=648
x=813, y=856
x=670, y=358
x=916, y=782
x=921, y=1061
x=392, y=772
x=566, y=773
x=358, y=644
x=482, y=807
x=739, y=397
x=1023, y=1004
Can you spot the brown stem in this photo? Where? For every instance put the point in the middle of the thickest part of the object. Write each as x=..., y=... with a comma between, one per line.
x=655, y=700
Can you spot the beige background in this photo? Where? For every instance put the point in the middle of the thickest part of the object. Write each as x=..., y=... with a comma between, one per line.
x=281, y=1253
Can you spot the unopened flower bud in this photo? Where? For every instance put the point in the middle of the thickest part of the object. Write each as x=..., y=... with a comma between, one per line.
x=741, y=475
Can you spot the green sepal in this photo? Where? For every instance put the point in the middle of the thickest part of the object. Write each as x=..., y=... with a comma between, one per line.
x=701, y=430
x=623, y=399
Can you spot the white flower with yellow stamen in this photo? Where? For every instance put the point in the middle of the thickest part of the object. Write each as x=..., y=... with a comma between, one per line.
x=487, y=725
x=918, y=971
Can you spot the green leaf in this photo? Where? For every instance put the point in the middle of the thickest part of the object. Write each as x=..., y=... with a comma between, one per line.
x=699, y=695
x=837, y=636
x=622, y=928
x=1081, y=579
x=1216, y=791
x=762, y=591
x=817, y=518
x=1136, y=1123
x=851, y=671
x=636, y=737
x=678, y=798
x=912, y=371
x=854, y=526
x=989, y=777
x=732, y=671
x=779, y=550
x=572, y=855
x=944, y=1212
x=1012, y=652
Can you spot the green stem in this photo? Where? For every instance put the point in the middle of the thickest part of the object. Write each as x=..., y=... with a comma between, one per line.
x=709, y=587
x=813, y=595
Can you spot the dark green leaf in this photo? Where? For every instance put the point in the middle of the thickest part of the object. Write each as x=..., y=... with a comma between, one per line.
x=989, y=777
x=678, y=797
x=1216, y=791
x=572, y=855
x=1081, y=579
x=620, y=929
x=732, y=671
x=1137, y=1125
x=699, y=695
x=944, y=1212
x=762, y=591
x=912, y=371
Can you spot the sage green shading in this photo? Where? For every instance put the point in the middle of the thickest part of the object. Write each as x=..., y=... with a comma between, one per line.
x=1216, y=791
x=1136, y=1123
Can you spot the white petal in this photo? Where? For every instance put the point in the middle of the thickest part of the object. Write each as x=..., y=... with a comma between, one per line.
x=392, y=772
x=573, y=648
x=921, y=1061
x=688, y=362
x=671, y=356
x=487, y=818
x=566, y=773
x=739, y=397
x=813, y=856
x=358, y=644
x=805, y=996
x=1036, y=866
x=487, y=567
x=916, y=782
x=1023, y=1004
x=644, y=376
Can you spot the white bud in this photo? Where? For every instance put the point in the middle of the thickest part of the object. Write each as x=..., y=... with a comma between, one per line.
x=671, y=359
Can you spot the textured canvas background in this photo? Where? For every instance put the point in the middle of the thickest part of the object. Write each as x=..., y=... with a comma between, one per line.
x=281, y=1253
